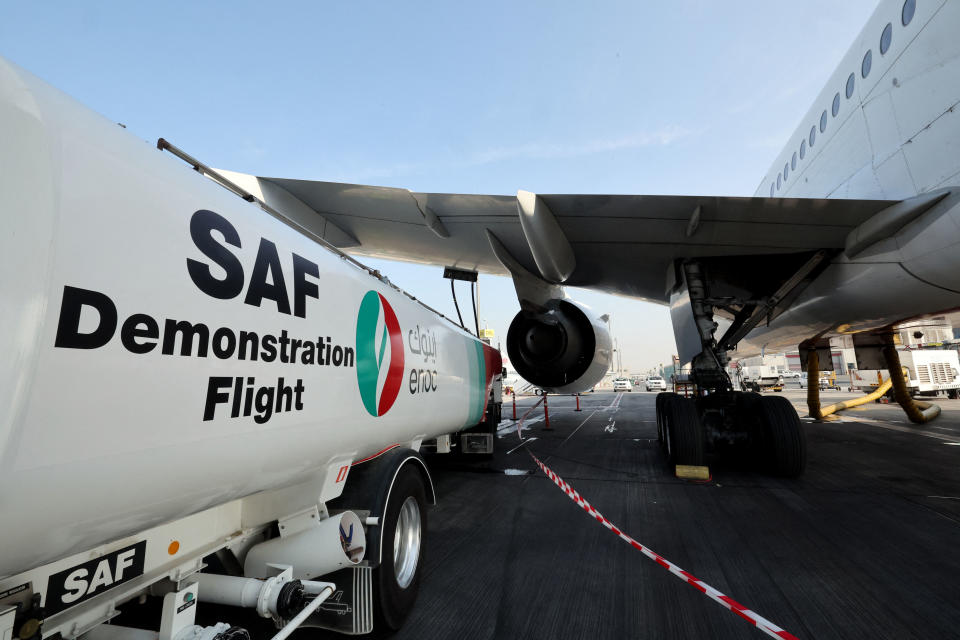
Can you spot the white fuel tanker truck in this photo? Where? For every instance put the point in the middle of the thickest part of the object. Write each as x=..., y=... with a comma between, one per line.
x=199, y=401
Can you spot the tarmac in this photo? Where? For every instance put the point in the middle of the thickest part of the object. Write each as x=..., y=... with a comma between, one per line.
x=864, y=545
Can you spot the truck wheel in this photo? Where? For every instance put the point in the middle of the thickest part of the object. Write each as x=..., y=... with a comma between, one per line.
x=397, y=580
x=683, y=432
x=785, y=443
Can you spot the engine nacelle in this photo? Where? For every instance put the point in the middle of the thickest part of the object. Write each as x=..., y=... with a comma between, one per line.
x=564, y=350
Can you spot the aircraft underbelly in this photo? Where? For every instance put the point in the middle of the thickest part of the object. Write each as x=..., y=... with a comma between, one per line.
x=850, y=298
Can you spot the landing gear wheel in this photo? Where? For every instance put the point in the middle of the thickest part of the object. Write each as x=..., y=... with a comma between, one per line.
x=682, y=430
x=659, y=412
x=953, y=394
x=397, y=580
x=661, y=420
x=785, y=443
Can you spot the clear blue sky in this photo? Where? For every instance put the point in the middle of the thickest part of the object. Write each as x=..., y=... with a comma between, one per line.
x=681, y=97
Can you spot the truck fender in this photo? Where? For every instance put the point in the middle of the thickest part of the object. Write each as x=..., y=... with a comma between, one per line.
x=368, y=489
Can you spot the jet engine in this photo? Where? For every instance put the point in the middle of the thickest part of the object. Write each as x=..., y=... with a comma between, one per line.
x=563, y=349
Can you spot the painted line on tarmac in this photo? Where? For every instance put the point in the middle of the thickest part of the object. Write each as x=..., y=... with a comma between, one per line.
x=585, y=420
x=505, y=429
x=578, y=427
x=615, y=403
x=531, y=439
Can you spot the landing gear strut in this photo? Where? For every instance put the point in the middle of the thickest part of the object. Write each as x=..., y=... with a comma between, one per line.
x=719, y=420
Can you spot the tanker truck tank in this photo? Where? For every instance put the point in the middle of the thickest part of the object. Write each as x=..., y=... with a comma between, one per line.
x=183, y=372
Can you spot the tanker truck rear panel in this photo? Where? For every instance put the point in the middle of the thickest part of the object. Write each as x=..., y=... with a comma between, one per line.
x=169, y=348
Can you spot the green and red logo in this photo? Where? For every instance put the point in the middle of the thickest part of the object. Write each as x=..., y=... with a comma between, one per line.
x=379, y=354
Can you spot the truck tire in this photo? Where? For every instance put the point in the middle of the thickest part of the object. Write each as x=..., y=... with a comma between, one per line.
x=783, y=437
x=683, y=431
x=396, y=580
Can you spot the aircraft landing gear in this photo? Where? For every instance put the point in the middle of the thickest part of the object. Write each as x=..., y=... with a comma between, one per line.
x=679, y=429
x=784, y=444
x=763, y=431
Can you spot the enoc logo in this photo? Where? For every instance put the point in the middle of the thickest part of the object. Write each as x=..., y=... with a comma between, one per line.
x=379, y=354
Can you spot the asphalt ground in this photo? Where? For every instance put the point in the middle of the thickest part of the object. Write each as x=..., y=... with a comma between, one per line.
x=864, y=545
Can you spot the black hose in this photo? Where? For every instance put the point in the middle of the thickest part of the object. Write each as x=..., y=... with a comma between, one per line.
x=473, y=298
x=453, y=292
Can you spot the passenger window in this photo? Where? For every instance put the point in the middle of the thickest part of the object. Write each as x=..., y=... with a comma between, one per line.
x=813, y=135
x=850, y=86
x=885, y=38
x=909, y=8
x=786, y=171
x=793, y=162
x=771, y=189
x=866, y=64
x=835, y=109
x=778, y=182
x=823, y=122
x=803, y=145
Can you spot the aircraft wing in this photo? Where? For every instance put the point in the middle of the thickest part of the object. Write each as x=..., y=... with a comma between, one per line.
x=623, y=244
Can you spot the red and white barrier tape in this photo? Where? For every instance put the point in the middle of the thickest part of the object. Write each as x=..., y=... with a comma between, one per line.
x=755, y=619
x=524, y=417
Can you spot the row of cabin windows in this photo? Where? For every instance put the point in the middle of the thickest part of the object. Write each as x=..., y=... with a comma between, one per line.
x=886, y=37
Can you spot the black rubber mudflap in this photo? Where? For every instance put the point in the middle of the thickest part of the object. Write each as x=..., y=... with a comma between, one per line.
x=350, y=609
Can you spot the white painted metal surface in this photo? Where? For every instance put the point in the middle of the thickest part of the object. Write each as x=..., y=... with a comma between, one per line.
x=928, y=370
x=897, y=137
x=893, y=138
x=550, y=247
x=142, y=428
x=334, y=543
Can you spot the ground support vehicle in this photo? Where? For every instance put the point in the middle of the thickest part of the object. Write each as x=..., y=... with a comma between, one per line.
x=761, y=377
x=655, y=383
x=204, y=402
x=825, y=380
x=929, y=372
x=622, y=384
x=828, y=380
